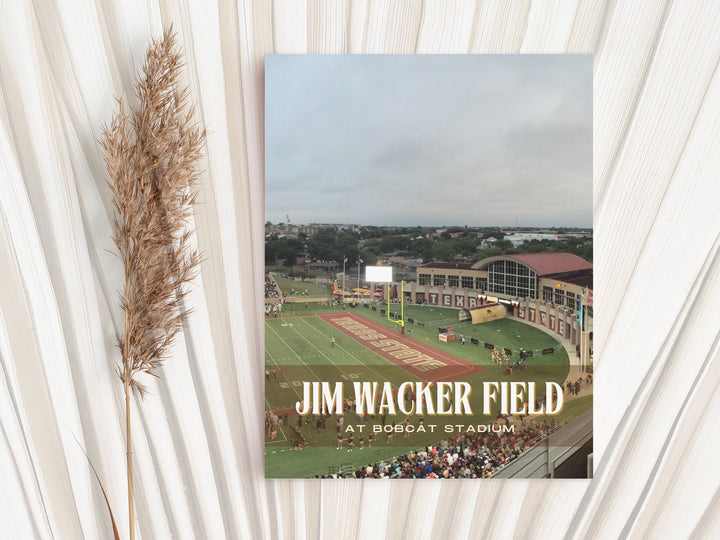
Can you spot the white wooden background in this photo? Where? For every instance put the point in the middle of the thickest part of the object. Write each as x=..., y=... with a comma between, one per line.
x=199, y=437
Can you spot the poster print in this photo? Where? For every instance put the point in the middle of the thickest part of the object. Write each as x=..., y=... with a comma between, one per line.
x=416, y=206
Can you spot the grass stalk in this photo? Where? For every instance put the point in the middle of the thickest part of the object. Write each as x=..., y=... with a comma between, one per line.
x=151, y=153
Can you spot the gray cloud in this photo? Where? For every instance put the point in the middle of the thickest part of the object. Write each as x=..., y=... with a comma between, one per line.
x=408, y=140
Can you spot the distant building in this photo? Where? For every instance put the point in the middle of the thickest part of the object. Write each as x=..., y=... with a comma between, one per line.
x=282, y=230
x=488, y=242
x=519, y=238
x=543, y=288
x=528, y=275
x=327, y=266
x=303, y=258
x=337, y=226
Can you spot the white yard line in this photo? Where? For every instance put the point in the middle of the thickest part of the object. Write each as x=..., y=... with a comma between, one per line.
x=278, y=365
x=314, y=346
x=271, y=356
x=345, y=350
x=293, y=350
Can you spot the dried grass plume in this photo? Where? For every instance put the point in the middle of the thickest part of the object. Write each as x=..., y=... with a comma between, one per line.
x=151, y=155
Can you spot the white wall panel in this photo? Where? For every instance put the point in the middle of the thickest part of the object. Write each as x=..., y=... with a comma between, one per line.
x=198, y=436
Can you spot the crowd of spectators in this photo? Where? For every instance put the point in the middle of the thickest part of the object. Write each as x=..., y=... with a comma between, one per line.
x=575, y=387
x=467, y=455
x=271, y=290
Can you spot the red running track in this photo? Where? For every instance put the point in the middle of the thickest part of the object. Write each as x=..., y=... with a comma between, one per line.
x=441, y=367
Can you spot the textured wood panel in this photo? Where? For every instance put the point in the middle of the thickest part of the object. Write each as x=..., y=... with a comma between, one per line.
x=198, y=443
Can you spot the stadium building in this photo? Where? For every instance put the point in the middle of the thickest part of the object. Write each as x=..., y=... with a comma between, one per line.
x=552, y=290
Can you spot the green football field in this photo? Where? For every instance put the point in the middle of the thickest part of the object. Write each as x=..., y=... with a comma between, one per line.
x=298, y=347
x=290, y=287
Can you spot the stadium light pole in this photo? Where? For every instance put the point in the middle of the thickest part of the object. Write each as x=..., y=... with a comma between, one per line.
x=342, y=293
x=401, y=321
x=582, y=334
x=402, y=305
x=383, y=274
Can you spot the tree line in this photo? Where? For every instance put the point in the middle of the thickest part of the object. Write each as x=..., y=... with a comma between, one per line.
x=372, y=243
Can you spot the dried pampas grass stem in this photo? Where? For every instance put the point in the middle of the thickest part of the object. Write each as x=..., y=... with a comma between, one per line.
x=151, y=155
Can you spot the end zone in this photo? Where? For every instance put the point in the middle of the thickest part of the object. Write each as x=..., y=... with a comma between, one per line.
x=416, y=358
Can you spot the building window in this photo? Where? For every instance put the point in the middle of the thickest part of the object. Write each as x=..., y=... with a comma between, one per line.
x=467, y=282
x=438, y=279
x=481, y=283
x=559, y=297
x=424, y=279
x=547, y=293
x=570, y=299
x=453, y=281
x=511, y=278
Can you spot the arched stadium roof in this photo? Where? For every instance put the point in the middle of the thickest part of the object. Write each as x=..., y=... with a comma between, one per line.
x=543, y=264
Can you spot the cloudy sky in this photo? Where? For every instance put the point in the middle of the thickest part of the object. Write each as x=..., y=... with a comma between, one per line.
x=429, y=139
